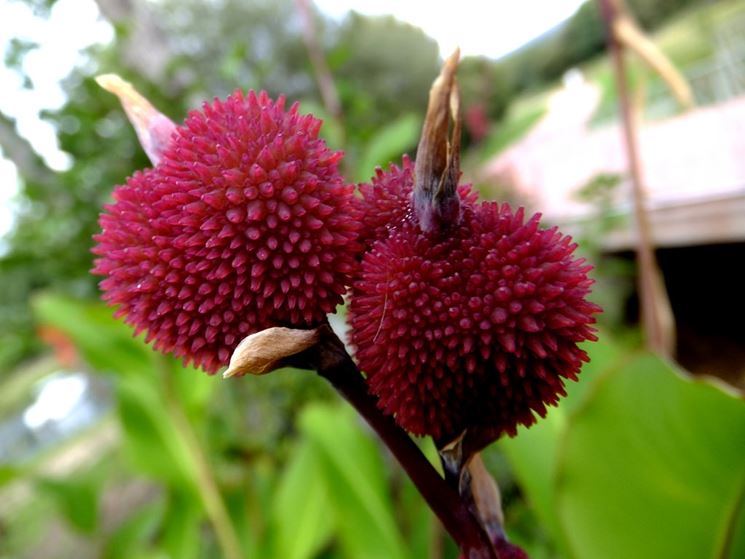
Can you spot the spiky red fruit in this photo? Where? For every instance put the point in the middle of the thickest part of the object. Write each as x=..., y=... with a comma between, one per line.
x=472, y=328
x=245, y=223
x=385, y=201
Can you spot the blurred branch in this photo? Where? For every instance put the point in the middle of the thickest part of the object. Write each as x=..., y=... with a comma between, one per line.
x=335, y=365
x=318, y=61
x=19, y=151
x=628, y=33
x=320, y=349
x=207, y=487
x=653, y=298
x=146, y=50
x=486, y=497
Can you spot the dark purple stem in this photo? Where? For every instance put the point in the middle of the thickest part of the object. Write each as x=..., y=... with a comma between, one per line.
x=335, y=365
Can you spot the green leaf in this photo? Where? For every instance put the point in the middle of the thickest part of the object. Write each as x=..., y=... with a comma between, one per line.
x=388, y=144
x=76, y=499
x=108, y=344
x=331, y=130
x=533, y=452
x=151, y=440
x=133, y=537
x=653, y=466
x=8, y=474
x=733, y=543
x=181, y=532
x=510, y=130
x=356, y=482
x=417, y=521
x=533, y=457
x=250, y=504
x=191, y=386
x=301, y=513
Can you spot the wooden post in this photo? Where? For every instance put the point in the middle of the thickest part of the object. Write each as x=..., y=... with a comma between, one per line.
x=652, y=296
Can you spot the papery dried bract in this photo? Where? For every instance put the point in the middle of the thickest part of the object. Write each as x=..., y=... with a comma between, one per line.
x=265, y=351
x=154, y=129
x=387, y=200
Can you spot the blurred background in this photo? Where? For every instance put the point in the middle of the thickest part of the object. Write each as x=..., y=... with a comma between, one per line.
x=110, y=450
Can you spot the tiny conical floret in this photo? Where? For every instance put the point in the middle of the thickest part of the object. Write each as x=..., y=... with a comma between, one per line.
x=475, y=328
x=244, y=224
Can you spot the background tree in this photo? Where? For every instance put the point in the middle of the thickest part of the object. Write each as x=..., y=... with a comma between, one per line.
x=179, y=53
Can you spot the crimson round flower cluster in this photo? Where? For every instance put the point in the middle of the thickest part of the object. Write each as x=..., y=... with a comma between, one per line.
x=474, y=327
x=244, y=223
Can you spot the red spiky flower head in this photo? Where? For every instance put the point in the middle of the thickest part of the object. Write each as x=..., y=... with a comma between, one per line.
x=465, y=317
x=244, y=223
x=474, y=330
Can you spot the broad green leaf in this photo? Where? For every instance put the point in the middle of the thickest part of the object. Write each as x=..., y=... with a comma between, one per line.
x=76, y=499
x=108, y=344
x=733, y=543
x=356, y=482
x=388, y=144
x=532, y=455
x=653, y=466
x=533, y=452
x=151, y=435
x=418, y=523
x=509, y=131
x=302, y=517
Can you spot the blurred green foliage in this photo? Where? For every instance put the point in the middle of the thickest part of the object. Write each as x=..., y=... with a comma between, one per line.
x=198, y=51
x=635, y=463
x=614, y=275
x=180, y=53
x=50, y=243
x=579, y=39
x=383, y=69
x=324, y=490
x=640, y=461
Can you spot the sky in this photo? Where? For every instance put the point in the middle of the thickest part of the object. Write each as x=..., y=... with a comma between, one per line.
x=59, y=51
x=479, y=27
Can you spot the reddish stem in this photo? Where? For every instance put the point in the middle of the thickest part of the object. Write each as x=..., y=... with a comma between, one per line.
x=336, y=366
